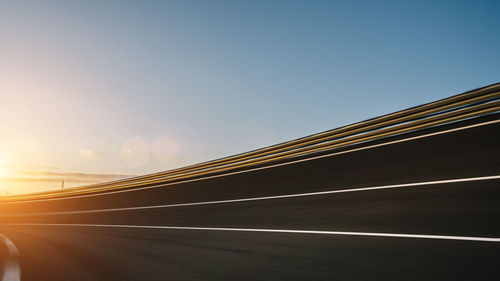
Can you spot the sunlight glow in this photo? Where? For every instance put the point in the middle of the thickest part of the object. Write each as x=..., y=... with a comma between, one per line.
x=3, y=172
x=3, y=167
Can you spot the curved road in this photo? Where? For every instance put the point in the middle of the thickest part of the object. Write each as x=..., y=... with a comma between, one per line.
x=419, y=206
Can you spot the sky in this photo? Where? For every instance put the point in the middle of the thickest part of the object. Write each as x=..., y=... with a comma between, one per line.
x=92, y=91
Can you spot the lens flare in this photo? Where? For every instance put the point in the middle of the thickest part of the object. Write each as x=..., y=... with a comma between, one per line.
x=135, y=152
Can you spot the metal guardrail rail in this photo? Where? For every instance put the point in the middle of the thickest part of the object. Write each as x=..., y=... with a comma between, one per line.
x=471, y=104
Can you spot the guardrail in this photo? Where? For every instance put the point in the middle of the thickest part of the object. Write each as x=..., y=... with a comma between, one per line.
x=479, y=102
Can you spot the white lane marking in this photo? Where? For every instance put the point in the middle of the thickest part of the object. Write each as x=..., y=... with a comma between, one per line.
x=11, y=268
x=262, y=198
x=295, y=231
x=260, y=168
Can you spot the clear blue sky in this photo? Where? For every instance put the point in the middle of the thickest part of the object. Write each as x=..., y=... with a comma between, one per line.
x=80, y=78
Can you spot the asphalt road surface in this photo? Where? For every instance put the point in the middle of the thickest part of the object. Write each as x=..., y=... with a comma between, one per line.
x=419, y=206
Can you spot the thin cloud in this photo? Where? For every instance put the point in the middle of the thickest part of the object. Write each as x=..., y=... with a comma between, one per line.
x=90, y=154
x=46, y=176
x=24, y=174
x=25, y=168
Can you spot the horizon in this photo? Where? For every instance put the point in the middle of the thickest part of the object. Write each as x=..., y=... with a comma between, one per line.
x=93, y=93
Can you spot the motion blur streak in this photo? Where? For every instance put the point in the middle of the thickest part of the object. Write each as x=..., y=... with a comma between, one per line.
x=395, y=235
x=412, y=195
x=426, y=183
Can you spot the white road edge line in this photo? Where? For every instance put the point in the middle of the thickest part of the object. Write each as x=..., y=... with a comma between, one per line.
x=294, y=231
x=263, y=168
x=11, y=268
x=262, y=198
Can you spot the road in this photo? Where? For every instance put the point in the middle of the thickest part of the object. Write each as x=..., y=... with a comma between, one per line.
x=417, y=206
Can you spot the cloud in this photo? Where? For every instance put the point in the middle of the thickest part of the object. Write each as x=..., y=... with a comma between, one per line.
x=27, y=168
x=90, y=154
x=24, y=178
x=47, y=176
